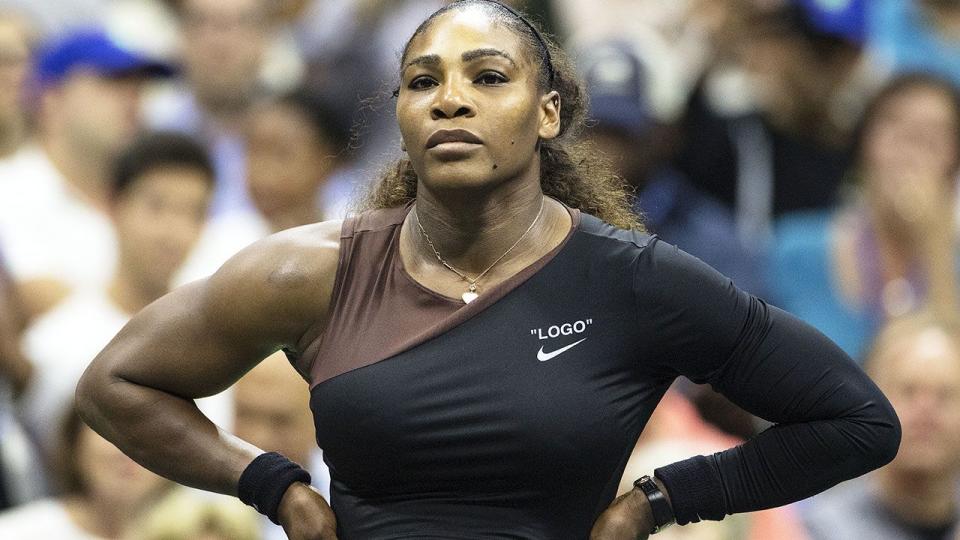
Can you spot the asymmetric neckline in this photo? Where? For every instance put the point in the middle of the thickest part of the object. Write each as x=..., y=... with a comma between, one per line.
x=401, y=269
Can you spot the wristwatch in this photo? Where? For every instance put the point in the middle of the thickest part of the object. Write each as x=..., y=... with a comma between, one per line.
x=662, y=512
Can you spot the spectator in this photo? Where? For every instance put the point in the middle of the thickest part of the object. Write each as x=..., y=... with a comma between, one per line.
x=160, y=191
x=916, y=362
x=641, y=147
x=272, y=412
x=102, y=492
x=223, y=51
x=21, y=478
x=295, y=145
x=53, y=194
x=764, y=129
x=892, y=247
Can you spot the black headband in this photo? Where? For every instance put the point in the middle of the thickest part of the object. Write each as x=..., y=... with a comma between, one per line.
x=536, y=33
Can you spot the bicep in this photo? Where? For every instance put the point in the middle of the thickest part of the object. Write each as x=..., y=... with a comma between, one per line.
x=183, y=345
x=759, y=356
x=199, y=339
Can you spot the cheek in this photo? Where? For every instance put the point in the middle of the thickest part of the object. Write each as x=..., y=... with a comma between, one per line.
x=407, y=110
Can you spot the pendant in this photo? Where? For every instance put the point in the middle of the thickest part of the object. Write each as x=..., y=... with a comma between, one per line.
x=470, y=295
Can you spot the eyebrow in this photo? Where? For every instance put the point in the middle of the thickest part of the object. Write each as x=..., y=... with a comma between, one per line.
x=469, y=56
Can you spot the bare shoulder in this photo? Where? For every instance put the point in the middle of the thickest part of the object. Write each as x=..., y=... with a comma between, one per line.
x=299, y=257
x=284, y=279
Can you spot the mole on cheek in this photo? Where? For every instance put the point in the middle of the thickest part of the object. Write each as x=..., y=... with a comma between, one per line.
x=495, y=166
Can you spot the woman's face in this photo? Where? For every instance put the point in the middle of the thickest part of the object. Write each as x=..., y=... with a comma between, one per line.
x=911, y=139
x=287, y=161
x=469, y=109
x=109, y=474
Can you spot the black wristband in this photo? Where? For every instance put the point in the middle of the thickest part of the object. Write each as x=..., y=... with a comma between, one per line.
x=662, y=513
x=266, y=479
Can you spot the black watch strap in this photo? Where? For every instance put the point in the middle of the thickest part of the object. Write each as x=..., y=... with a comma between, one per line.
x=662, y=512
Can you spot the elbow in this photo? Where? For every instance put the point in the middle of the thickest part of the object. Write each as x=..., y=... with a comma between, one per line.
x=89, y=394
x=888, y=434
x=83, y=396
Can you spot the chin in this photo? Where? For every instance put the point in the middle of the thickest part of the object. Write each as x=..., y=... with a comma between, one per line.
x=458, y=182
x=463, y=176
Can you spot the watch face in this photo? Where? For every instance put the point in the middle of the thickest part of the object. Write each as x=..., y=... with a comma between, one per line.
x=646, y=484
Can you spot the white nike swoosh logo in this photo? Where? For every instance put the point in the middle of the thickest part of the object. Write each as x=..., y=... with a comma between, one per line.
x=543, y=357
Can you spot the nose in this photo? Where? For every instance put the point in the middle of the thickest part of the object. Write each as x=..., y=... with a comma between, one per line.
x=452, y=102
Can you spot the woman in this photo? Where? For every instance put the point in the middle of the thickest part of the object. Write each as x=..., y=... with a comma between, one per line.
x=892, y=248
x=528, y=341
x=103, y=493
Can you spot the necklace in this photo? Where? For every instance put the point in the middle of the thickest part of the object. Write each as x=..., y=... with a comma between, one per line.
x=471, y=293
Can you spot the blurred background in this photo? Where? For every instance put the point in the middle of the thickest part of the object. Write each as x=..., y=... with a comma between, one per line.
x=808, y=149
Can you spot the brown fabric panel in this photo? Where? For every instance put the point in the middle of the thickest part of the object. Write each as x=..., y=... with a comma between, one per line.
x=303, y=361
x=379, y=310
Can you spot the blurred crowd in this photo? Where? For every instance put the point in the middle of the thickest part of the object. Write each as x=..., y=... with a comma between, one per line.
x=808, y=149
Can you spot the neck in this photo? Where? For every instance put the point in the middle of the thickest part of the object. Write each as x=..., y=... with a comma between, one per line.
x=84, y=172
x=472, y=230
x=924, y=500
x=130, y=294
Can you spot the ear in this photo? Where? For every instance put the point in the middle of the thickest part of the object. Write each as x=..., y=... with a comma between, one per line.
x=549, y=115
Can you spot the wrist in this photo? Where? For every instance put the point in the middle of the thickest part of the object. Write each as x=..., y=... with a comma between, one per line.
x=296, y=495
x=658, y=510
x=267, y=480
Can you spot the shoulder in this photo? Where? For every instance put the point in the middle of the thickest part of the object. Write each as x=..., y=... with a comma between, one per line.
x=287, y=274
x=650, y=255
x=660, y=269
x=604, y=233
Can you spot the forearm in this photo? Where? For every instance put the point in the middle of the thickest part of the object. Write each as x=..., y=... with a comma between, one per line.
x=833, y=425
x=165, y=433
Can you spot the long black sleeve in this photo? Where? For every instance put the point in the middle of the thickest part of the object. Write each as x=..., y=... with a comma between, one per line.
x=831, y=422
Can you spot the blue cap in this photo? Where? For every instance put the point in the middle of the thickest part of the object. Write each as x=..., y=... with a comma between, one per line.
x=616, y=81
x=94, y=50
x=846, y=19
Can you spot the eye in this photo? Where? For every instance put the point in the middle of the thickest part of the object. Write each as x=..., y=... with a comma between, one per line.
x=421, y=83
x=491, y=78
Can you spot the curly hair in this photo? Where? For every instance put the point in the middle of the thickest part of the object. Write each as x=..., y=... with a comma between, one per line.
x=571, y=169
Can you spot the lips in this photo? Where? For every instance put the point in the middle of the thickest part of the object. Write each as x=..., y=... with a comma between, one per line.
x=452, y=136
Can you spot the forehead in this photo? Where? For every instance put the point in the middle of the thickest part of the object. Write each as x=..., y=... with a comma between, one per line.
x=929, y=357
x=920, y=101
x=465, y=29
